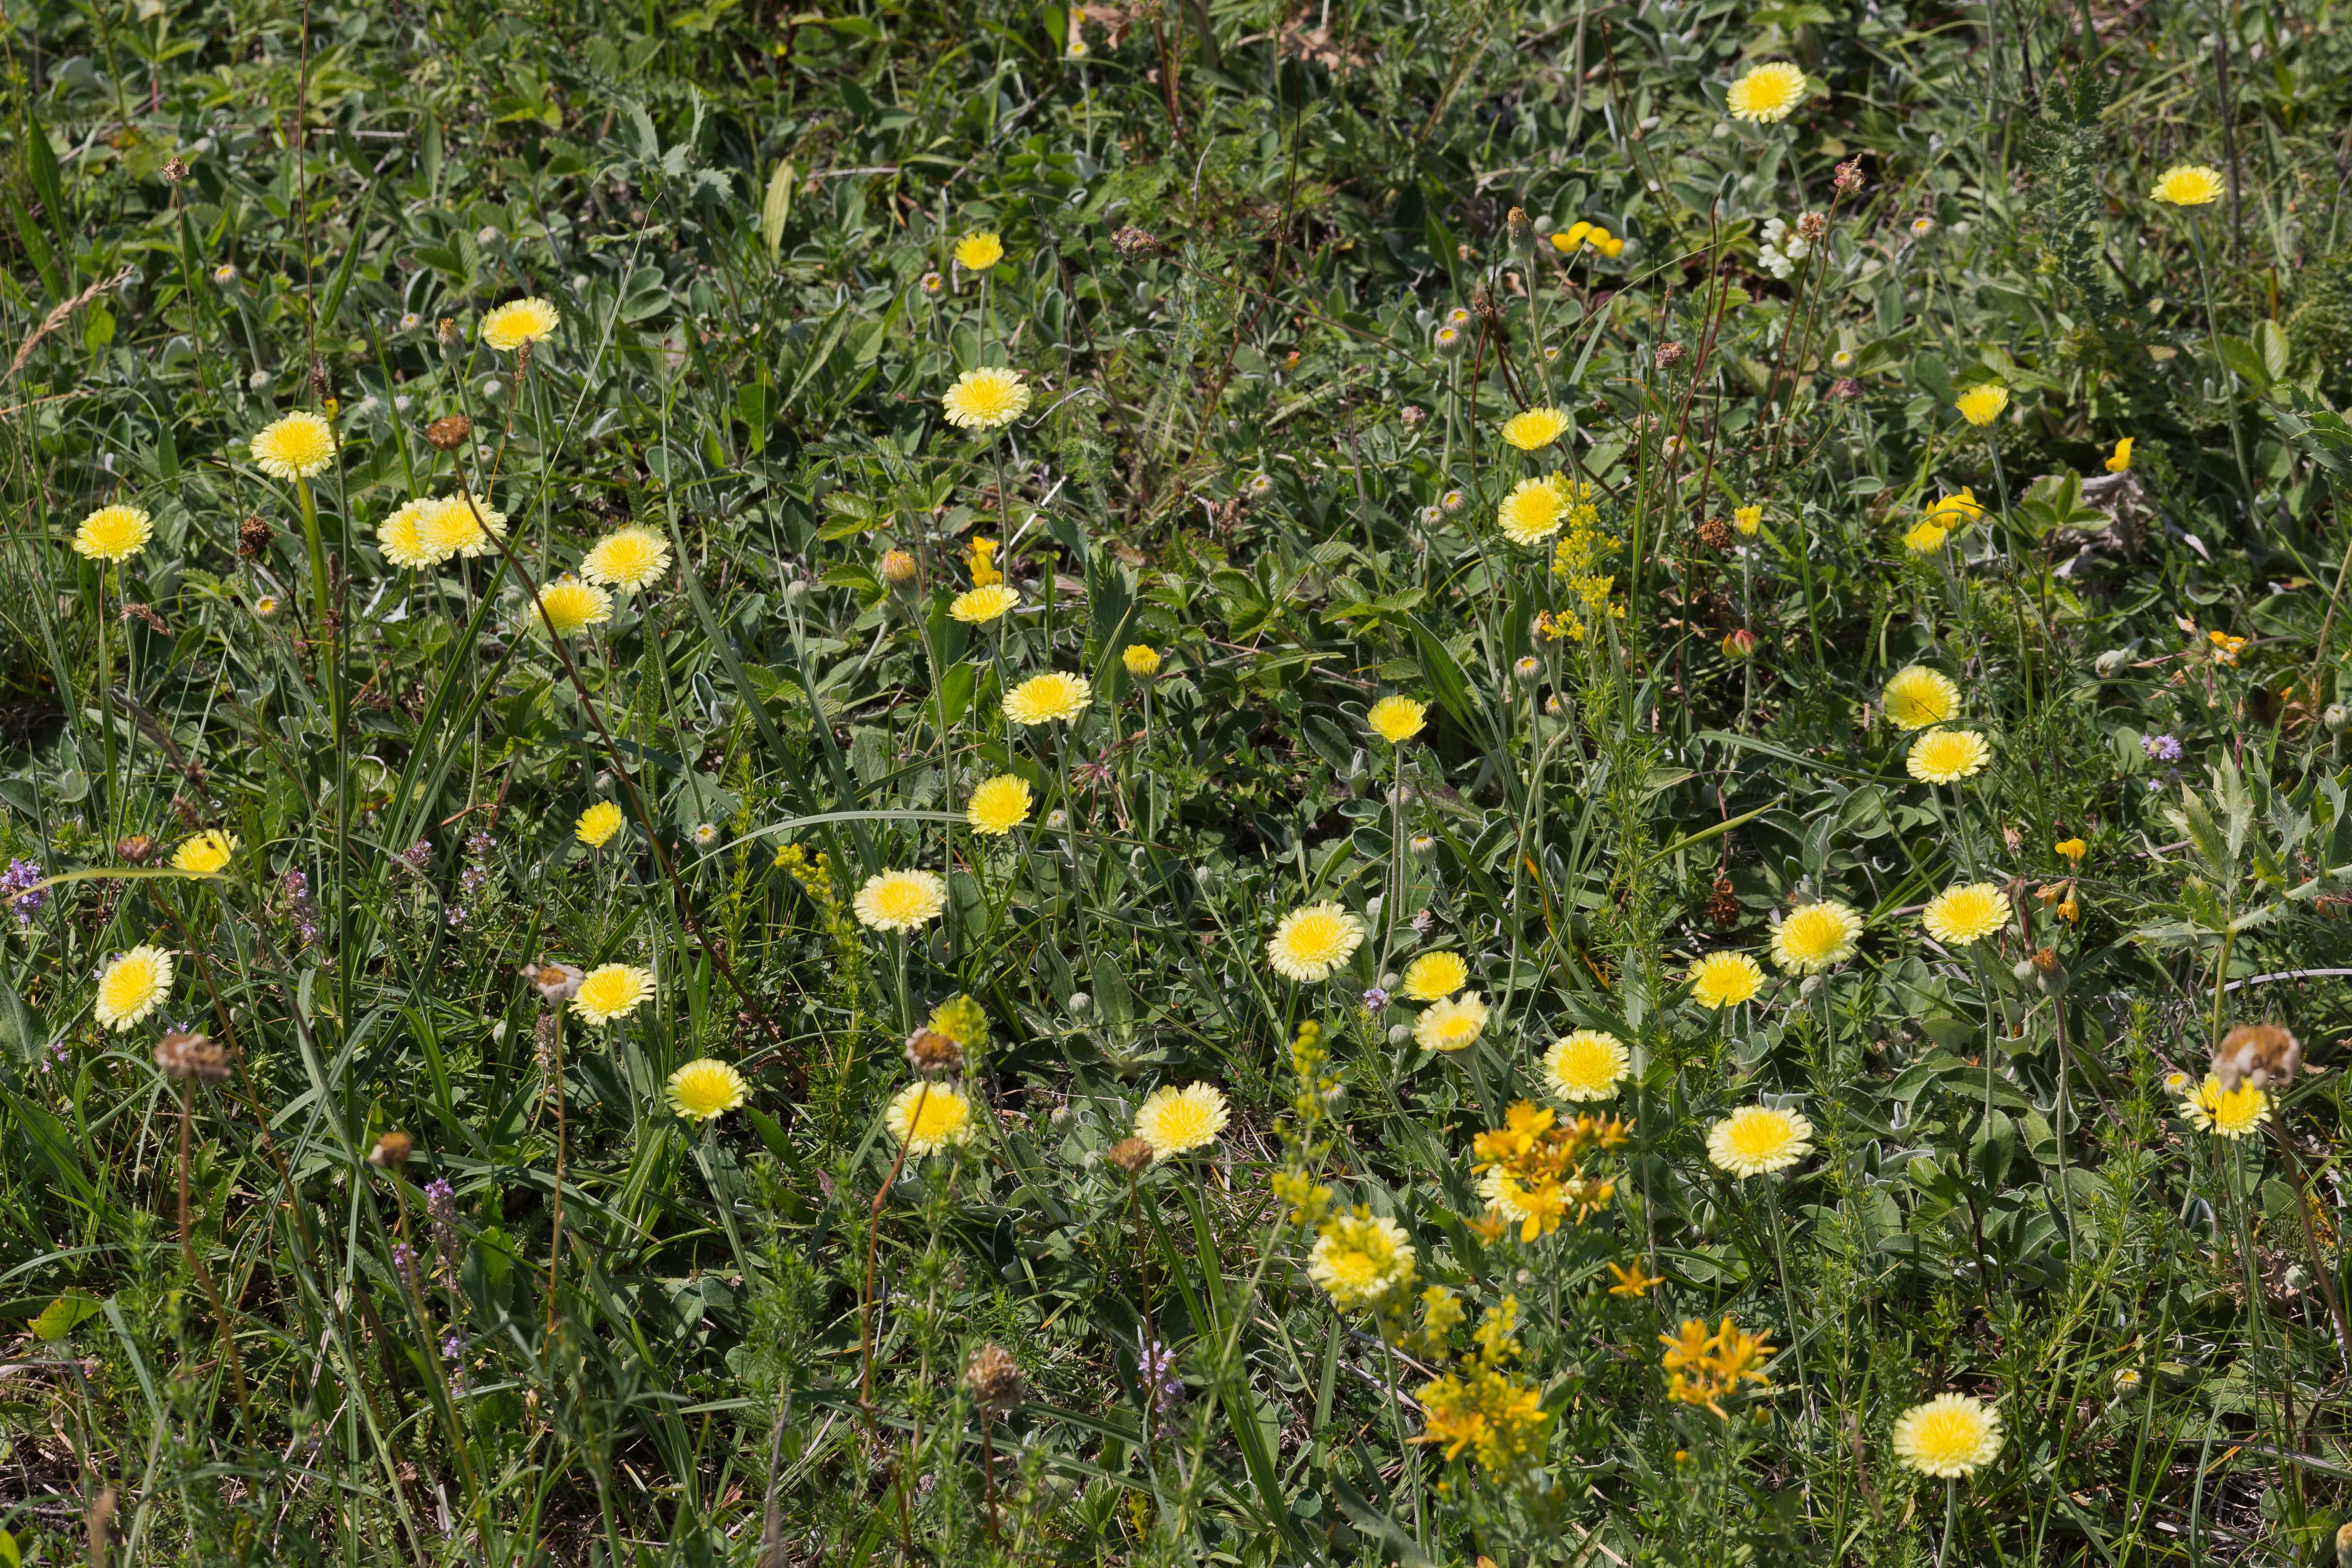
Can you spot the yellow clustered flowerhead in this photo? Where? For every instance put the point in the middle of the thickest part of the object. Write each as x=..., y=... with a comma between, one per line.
x=999, y=805
x=1142, y=660
x=1917, y=697
x=205, y=853
x=1044, y=699
x=1816, y=935
x=1725, y=979
x=1532, y=1168
x=979, y=606
x=1534, y=510
x=1313, y=941
x=611, y=991
x=1965, y=912
x=1360, y=1259
x=1434, y=977
x=1173, y=1120
x=1705, y=1367
x=928, y=1116
x=1757, y=1140
x=2226, y=646
x=2226, y=1113
x=989, y=398
x=1582, y=236
x=1535, y=429
x=705, y=1090
x=597, y=824
x=1769, y=94
x=1947, y=756
x=2072, y=849
x=518, y=322
x=979, y=559
x=899, y=900
x=114, y=533
x=979, y=251
x=2120, y=460
x=1982, y=404
x=294, y=447
x=1586, y=1064
x=2189, y=185
x=1925, y=537
x=1957, y=512
x=1635, y=1281
x=1951, y=1437
x=628, y=558
x=568, y=605
x=1494, y=1414
x=1397, y=720
x=1451, y=1026
x=1747, y=520
x=133, y=986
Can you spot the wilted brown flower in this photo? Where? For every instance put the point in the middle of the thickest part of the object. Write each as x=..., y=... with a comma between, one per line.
x=1846, y=386
x=994, y=1378
x=1722, y=903
x=448, y=434
x=1669, y=355
x=136, y=849
x=176, y=168
x=1812, y=226
x=557, y=983
x=1132, y=1155
x=1132, y=242
x=1413, y=414
x=252, y=537
x=932, y=1054
x=1715, y=534
x=185, y=1054
x=1848, y=178
x=392, y=1151
x=2257, y=1053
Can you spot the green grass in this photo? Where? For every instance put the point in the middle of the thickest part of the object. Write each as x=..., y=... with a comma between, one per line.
x=575, y=1328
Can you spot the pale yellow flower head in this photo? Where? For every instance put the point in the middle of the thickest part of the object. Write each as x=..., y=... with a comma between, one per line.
x=899, y=900
x=979, y=606
x=2190, y=185
x=1816, y=935
x=1451, y=1026
x=1360, y=1259
x=628, y=559
x=1397, y=720
x=1766, y=95
x=1048, y=698
x=2230, y=1114
x=1917, y=697
x=133, y=986
x=402, y=538
x=114, y=533
x=927, y=1116
x=1947, y=756
x=1965, y=912
x=295, y=447
x=1173, y=1120
x=1434, y=977
x=611, y=991
x=597, y=824
x=517, y=322
x=568, y=605
x=999, y=805
x=1757, y=1140
x=205, y=853
x=1314, y=941
x=988, y=398
x=1587, y=1064
x=979, y=251
x=1533, y=511
x=1982, y=404
x=1725, y=979
x=461, y=525
x=1535, y=429
x=1141, y=659
x=705, y=1090
x=1950, y=1437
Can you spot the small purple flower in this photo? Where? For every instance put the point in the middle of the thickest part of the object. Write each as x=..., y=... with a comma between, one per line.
x=417, y=856
x=1375, y=999
x=455, y=916
x=404, y=1261
x=2162, y=748
x=20, y=875
x=479, y=843
x=472, y=880
x=299, y=909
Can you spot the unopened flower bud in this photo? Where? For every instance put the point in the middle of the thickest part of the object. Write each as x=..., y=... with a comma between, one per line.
x=897, y=567
x=2112, y=663
x=1529, y=669
x=2336, y=717
x=1080, y=1004
x=994, y=1379
x=1740, y=645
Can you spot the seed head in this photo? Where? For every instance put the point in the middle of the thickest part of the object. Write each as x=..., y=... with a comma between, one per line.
x=176, y=168
x=2257, y=1053
x=932, y=1054
x=136, y=849
x=252, y=538
x=557, y=983
x=1670, y=355
x=392, y=1151
x=1812, y=227
x=994, y=1379
x=183, y=1054
x=448, y=434
x=1132, y=1155
x=1848, y=178
x=1715, y=534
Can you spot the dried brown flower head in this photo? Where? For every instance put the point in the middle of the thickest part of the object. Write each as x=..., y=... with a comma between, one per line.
x=932, y=1054
x=557, y=983
x=135, y=849
x=1812, y=227
x=448, y=434
x=2257, y=1053
x=994, y=1379
x=175, y=169
x=1722, y=903
x=392, y=1151
x=1846, y=386
x=1715, y=534
x=1131, y=241
x=1132, y=1155
x=1670, y=355
x=183, y=1054
x=252, y=537
x=1848, y=178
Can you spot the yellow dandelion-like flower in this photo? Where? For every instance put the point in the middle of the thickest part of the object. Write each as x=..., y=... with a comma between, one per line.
x=1947, y=756
x=899, y=900
x=1953, y=513
x=1141, y=659
x=1360, y=1259
x=517, y=322
x=1965, y=912
x=568, y=605
x=977, y=252
x=979, y=606
x=461, y=525
x=1173, y=1120
x=999, y=805
x=1767, y=94
x=928, y=1116
x=1816, y=935
x=1725, y=979
x=597, y=824
x=1535, y=429
x=2189, y=185
x=1925, y=537
x=401, y=536
x=1586, y=1065
x=1917, y=697
x=1044, y=699
x=629, y=559
x=2225, y=1113
x=1451, y=1026
x=705, y=1090
x=1533, y=511
x=1951, y=1437
x=1757, y=1140
x=114, y=533
x=1434, y=977
x=1397, y=720
x=205, y=853
x=1314, y=941
x=1982, y=404
x=132, y=987
x=295, y=447
x=1747, y=520
x=986, y=399
x=2120, y=461
x=611, y=991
